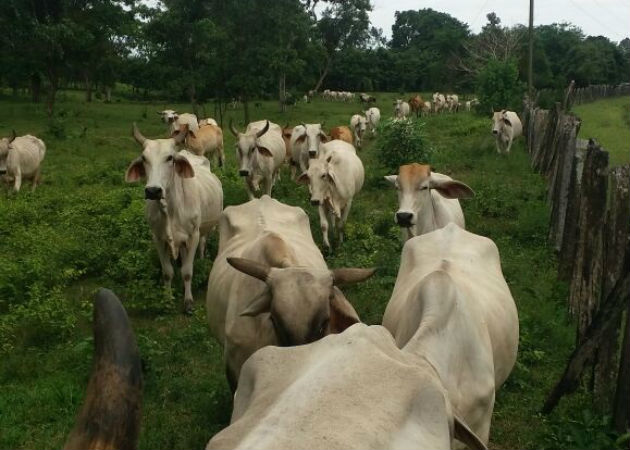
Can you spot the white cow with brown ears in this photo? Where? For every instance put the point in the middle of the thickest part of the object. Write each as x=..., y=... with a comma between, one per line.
x=21, y=158
x=427, y=200
x=184, y=200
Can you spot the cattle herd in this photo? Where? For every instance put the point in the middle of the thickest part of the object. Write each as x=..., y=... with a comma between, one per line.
x=305, y=372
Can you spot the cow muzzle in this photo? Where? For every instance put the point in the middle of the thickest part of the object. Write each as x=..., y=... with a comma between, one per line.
x=312, y=154
x=495, y=132
x=315, y=202
x=243, y=173
x=403, y=219
x=3, y=171
x=152, y=193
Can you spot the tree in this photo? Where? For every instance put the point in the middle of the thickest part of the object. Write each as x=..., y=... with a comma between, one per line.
x=498, y=85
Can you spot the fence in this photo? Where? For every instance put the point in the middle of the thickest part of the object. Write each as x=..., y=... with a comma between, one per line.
x=584, y=94
x=590, y=231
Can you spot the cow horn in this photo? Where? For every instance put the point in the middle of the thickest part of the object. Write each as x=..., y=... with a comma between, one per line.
x=249, y=267
x=13, y=135
x=303, y=124
x=137, y=135
x=159, y=113
x=263, y=131
x=110, y=415
x=351, y=275
x=233, y=129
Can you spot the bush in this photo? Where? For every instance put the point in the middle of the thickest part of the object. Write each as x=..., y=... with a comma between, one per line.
x=498, y=86
x=402, y=142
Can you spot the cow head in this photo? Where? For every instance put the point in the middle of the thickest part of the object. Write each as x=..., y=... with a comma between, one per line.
x=320, y=178
x=5, y=144
x=414, y=182
x=304, y=304
x=248, y=148
x=168, y=115
x=360, y=124
x=500, y=121
x=312, y=137
x=158, y=164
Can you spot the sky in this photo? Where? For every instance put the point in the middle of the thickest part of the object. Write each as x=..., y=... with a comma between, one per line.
x=610, y=18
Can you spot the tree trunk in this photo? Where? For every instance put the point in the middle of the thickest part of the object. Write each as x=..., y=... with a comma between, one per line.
x=192, y=92
x=246, y=110
x=324, y=74
x=88, y=86
x=36, y=87
x=282, y=92
x=52, y=91
x=108, y=94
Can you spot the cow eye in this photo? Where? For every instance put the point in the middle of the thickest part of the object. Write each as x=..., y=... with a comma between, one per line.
x=143, y=158
x=323, y=176
x=323, y=328
x=422, y=188
x=169, y=158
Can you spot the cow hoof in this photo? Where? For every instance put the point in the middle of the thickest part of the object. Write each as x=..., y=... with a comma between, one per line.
x=188, y=308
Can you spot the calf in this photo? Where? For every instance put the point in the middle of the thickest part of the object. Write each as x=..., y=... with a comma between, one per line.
x=341, y=133
x=426, y=109
x=427, y=200
x=260, y=151
x=21, y=158
x=506, y=126
x=359, y=125
x=208, y=139
x=333, y=180
x=184, y=200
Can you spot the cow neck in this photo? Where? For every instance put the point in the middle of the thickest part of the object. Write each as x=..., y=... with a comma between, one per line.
x=176, y=197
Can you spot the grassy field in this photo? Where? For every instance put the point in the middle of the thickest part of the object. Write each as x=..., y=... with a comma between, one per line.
x=608, y=121
x=84, y=228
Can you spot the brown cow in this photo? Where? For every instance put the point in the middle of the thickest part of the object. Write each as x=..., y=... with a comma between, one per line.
x=207, y=139
x=416, y=103
x=342, y=133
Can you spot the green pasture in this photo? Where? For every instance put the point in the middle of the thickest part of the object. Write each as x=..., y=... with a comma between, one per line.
x=84, y=228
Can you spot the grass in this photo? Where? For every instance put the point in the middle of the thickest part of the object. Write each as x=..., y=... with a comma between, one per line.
x=608, y=121
x=84, y=227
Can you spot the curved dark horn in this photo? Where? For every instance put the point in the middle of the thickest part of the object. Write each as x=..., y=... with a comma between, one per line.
x=140, y=139
x=13, y=136
x=263, y=131
x=110, y=416
x=232, y=129
x=252, y=268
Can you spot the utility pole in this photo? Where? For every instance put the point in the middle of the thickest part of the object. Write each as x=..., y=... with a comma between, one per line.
x=530, y=73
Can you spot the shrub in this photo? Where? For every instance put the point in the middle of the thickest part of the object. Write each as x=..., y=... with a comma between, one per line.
x=402, y=142
x=498, y=86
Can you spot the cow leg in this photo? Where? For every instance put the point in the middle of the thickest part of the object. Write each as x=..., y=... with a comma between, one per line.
x=36, y=179
x=17, y=182
x=268, y=184
x=509, y=146
x=165, y=261
x=250, y=187
x=496, y=141
x=342, y=220
x=188, y=257
x=221, y=154
x=201, y=249
x=323, y=223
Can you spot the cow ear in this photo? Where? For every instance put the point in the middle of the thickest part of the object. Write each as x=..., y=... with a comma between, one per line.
x=260, y=304
x=183, y=167
x=264, y=151
x=135, y=171
x=329, y=159
x=451, y=188
x=192, y=133
x=323, y=137
x=507, y=122
x=393, y=179
x=301, y=139
x=351, y=275
x=466, y=436
x=303, y=179
x=342, y=314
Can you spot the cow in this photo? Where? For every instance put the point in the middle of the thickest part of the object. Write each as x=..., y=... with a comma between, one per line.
x=427, y=200
x=359, y=126
x=207, y=140
x=426, y=108
x=364, y=98
x=354, y=390
x=21, y=158
x=175, y=120
x=326, y=94
x=270, y=285
x=306, y=140
x=208, y=121
x=184, y=200
x=471, y=104
x=452, y=102
x=333, y=180
x=342, y=133
x=439, y=102
x=452, y=305
x=260, y=151
x=401, y=109
x=416, y=103
x=373, y=116
x=506, y=126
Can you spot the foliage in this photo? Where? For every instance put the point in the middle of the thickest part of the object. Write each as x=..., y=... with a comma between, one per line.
x=498, y=86
x=402, y=142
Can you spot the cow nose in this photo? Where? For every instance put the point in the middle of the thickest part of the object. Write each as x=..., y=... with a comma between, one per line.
x=152, y=193
x=312, y=154
x=404, y=219
x=243, y=173
x=314, y=202
x=495, y=132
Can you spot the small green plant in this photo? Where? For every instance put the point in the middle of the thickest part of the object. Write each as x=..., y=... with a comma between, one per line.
x=57, y=127
x=402, y=142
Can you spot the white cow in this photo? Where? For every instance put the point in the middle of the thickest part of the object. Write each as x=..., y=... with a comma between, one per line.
x=333, y=180
x=401, y=109
x=184, y=202
x=452, y=102
x=439, y=102
x=373, y=116
x=306, y=140
x=358, y=123
x=21, y=158
x=427, y=200
x=174, y=120
x=261, y=152
x=208, y=121
x=426, y=108
x=282, y=292
x=506, y=126
x=452, y=305
x=354, y=390
x=471, y=103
